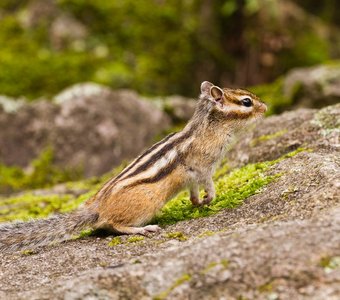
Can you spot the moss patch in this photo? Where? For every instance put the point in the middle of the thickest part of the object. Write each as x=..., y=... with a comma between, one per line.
x=42, y=173
x=206, y=233
x=330, y=263
x=84, y=233
x=177, y=236
x=178, y=282
x=28, y=206
x=224, y=263
x=135, y=239
x=115, y=241
x=267, y=137
x=209, y=267
x=27, y=252
x=266, y=288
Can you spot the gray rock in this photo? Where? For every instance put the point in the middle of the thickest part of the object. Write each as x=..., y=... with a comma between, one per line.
x=313, y=87
x=88, y=125
x=179, y=108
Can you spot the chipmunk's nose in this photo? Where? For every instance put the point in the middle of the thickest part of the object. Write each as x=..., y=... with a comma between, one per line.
x=264, y=107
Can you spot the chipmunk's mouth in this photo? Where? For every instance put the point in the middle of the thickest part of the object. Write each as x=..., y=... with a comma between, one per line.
x=259, y=114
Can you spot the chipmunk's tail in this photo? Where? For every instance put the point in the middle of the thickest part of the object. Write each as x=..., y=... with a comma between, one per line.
x=29, y=235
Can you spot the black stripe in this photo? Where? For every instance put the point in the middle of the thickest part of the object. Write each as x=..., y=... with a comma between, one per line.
x=146, y=152
x=165, y=149
x=113, y=180
x=160, y=175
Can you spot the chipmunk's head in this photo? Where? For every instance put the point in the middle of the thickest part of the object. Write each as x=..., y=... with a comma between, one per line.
x=232, y=104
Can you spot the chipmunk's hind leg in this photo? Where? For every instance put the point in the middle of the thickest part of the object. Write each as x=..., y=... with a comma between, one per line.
x=137, y=230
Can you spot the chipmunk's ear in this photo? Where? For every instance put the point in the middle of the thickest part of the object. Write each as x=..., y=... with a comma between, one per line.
x=205, y=87
x=216, y=93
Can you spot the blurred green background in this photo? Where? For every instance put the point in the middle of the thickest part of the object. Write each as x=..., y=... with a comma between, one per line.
x=160, y=47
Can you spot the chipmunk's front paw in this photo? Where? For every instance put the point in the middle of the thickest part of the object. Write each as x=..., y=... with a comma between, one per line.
x=195, y=201
x=148, y=229
x=152, y=228
x=207, y=200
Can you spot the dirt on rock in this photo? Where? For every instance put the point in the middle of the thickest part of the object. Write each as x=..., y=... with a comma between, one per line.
x=282, y=243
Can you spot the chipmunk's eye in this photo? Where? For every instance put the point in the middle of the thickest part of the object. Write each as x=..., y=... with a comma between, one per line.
x=247, y=102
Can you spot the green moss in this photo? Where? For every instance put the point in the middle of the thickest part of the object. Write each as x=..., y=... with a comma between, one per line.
x=135, y=239
x=163, y=295
x=206, y=233
x=43, y=173
x=85, y=233
x=329, y=263
x=28, y=205
x=27, y=252
x=295, y=152
x=177, y=235
x=224, y=263
x=209, y=267
x=266, y=288
x=268, y=137
x=115, y=241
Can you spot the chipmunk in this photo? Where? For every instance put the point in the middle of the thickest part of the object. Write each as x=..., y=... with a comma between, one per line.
x=127, y=202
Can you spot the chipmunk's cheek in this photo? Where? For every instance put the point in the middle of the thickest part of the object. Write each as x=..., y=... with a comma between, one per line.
x=263, y=108
x=257, y=115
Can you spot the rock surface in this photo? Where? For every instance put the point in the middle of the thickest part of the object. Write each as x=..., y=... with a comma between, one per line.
x=87, y=125
x=283, y=133
x=313, y=87
x=283, y=243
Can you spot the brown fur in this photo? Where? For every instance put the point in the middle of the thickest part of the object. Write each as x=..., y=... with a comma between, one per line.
x=135, y=206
